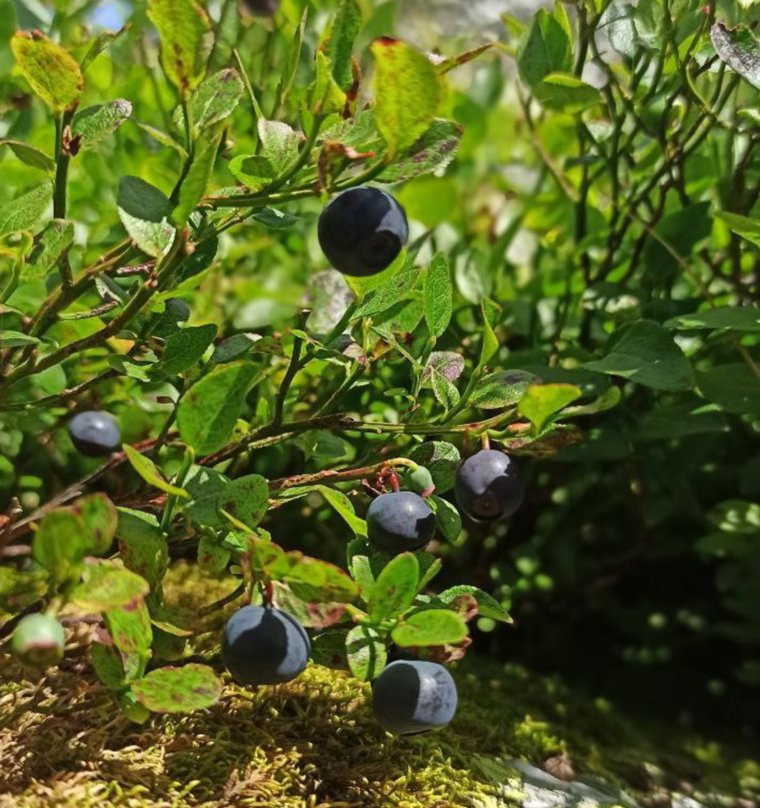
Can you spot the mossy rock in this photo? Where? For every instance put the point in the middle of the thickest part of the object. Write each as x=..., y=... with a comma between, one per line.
x=313, y=743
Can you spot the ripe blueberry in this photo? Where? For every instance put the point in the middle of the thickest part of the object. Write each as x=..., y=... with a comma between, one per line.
x=399, y=521
x=362, y=231
x=38, y=640
x=489, y=486
x=262, y=645
x=412, y=696
x=94, y=433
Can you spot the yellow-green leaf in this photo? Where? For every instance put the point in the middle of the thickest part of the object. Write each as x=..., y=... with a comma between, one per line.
x=186, y=40
x=408, y=92
x=50, y=69
x=148, y=470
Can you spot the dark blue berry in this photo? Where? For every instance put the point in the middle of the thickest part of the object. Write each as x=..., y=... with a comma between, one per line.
x=411, y=696
x=262, y=645
x=489, y=485
x=94, y=433
x=362, y=231
x=399, y=521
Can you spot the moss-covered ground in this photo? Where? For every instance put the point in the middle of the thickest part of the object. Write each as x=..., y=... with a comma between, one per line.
x=313, y=744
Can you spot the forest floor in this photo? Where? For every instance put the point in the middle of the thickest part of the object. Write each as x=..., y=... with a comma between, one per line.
x=518, y=740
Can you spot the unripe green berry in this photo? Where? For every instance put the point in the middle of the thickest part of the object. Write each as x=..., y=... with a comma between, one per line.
x=38, y=640
x=419, y=480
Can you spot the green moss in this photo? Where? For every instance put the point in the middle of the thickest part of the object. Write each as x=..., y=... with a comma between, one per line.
x=314, y=743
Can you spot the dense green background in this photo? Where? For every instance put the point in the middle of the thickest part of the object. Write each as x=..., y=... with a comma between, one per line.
x=603, y=222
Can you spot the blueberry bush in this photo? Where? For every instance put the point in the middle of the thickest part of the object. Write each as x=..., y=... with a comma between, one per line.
x=286, y=295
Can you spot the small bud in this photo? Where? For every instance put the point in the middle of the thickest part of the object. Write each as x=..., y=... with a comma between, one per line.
x=419, y=480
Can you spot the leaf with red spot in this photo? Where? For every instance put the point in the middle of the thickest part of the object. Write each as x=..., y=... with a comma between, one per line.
x=186, y=39
x=106, y=587
x=178, y=690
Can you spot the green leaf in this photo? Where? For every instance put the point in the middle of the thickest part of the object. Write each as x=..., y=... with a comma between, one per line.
x=644, y=352
x=178, y=690
x=392, y=291
x=742, y=226
x=25, y=212
x=279, y=143
x=490, y=344
x=318, y=581
x=53, y=242
x=430, y=627
x=438, y=296
x=94, y=124
x=198, y=177
x=246, y=498
x=52, y=72
x=252, y=170
x=212, y=557
x=142, y=546
x=674, y=238
x=441, y=459
x=340, y=45
x=731, y=317
x=408, y=92
x=106, y=587
x=544, y=48
x=216, y=98
x=325, y=96
x=20, y=589
x=29, y=155
x=542, y=401
x=395, y=588
x=739, y=49
x=100, y=519
x=431, y=153
x=448, y=518
x=130, y=629
x=488, y=606
x=60, y=543
x=16, y=339
x=186, y=39
x=502, y=389
x=565, y=93
x=737, y=516
x=102, y=41
x=207, y=414
x=144, y=211
x=734, y=388
x=107, y=664
x=366, y=652
x=185, y=348
x=344, y=508
x=148, y=470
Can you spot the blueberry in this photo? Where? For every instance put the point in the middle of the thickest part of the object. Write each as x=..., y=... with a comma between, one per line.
x=262, y=8
x=489, y=486
x=38, y=640
x=94, y=433
x=399, y=521
x=412, y=696
x=362, y=231
x=262, y=645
